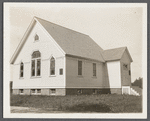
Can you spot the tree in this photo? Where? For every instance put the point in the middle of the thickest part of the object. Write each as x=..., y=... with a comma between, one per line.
x=138, y=82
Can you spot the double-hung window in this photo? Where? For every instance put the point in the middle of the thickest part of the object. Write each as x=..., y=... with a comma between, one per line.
x=21, y=69
x=52, y=66
x=79, y=67
x=36, y=64
x=94, y=69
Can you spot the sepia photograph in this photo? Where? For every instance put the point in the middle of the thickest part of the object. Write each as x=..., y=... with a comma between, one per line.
x=75, y=60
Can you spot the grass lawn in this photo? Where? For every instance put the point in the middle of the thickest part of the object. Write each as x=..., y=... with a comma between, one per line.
x=108, y=103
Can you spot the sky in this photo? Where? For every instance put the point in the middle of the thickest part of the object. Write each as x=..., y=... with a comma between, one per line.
x=109, y=27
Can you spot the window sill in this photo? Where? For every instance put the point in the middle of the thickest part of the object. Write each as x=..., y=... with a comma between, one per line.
x=80, y=76
x=94, y=77
x=35, y=93
x=21, y=78
x=52, y=75
x=36, y=41
x=33, y=77
x=52, y=94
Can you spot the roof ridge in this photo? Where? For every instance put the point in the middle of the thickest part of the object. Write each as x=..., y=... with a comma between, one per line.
x=60, y=25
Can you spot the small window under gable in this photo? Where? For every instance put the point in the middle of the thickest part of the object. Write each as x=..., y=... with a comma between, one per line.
x=125, y=67
x=36, y=37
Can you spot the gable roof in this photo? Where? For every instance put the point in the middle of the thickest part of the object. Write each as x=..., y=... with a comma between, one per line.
x=73, y=43
x=70, y=41
x=115, y=54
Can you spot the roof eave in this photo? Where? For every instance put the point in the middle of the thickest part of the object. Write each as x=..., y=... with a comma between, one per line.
x=12, y=60
x=129, y=55
x=75, y=56
x=112, y=60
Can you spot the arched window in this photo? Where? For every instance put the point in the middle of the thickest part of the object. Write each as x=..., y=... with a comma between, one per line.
x=21, y=69
x=36, y=64
x=52, y=66
x=36, y=37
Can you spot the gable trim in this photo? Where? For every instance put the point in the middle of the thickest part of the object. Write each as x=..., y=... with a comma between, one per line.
x=126, y=50
x=23, y=40
x=51, y=38
x=19, y=47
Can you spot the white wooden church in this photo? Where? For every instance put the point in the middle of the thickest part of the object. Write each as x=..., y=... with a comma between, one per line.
x=54, y=60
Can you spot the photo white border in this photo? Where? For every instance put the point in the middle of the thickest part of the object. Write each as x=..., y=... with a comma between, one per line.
x=6, y=65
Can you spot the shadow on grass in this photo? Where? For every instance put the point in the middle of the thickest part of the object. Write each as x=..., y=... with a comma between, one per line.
x=89, y=108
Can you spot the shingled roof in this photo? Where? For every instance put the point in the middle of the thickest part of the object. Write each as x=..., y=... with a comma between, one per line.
x=114, y=54
x=72, y=42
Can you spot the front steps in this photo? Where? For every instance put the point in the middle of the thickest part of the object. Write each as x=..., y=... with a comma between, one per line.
x=135, y=90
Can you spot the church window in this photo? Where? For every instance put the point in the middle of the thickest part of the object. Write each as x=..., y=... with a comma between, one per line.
x=79, y=67
x=36, y=64
x=94, y=69
x=21, y=69
x=52, y=66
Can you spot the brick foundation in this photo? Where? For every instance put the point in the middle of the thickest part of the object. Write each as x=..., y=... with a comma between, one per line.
x=84, y=91
x=71, y=91
x=45, y=91
x=15, y=91
x=116, y=90
x=26, y=92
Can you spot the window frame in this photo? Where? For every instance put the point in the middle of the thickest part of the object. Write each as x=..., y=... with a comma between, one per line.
x=79, y=91
x=125, y=66
x=94, y=91
x=52, y=75
x=21, y=64
x=35, y=65
x=51, y=92
x=35, y=38
x=38, y=92
x=34, y=92
x=129, y=72
x=80, y=68
x=21, y=91
x=61, y=71
x=94, y=70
